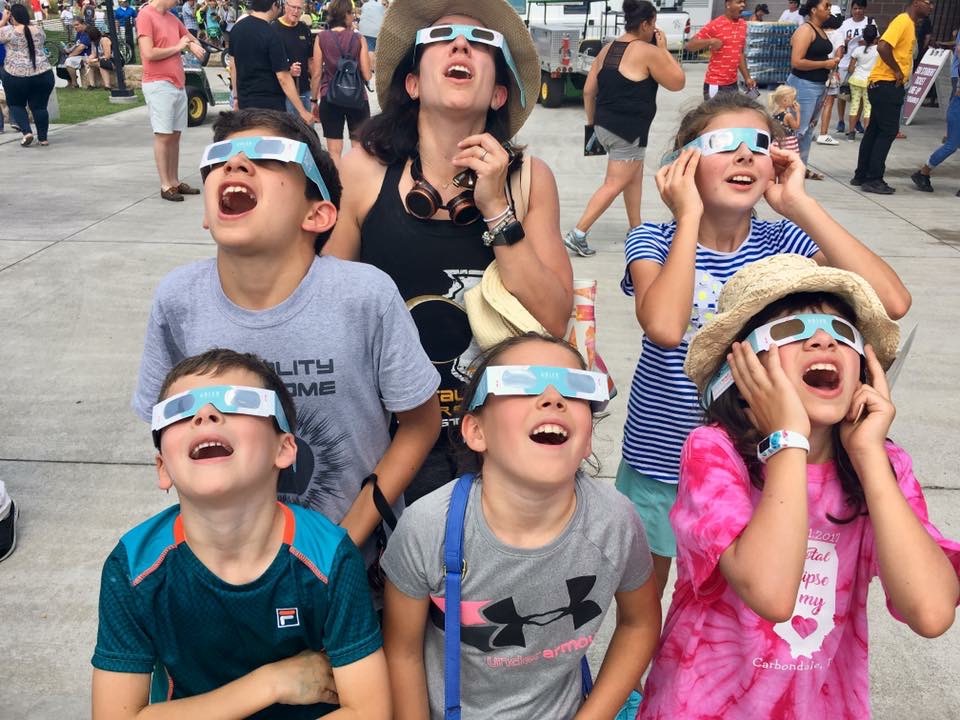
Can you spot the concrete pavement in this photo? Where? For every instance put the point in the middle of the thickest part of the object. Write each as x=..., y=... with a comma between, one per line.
x=84, y=239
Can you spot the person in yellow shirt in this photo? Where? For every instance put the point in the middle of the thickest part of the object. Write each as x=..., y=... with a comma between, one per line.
x=886, y=90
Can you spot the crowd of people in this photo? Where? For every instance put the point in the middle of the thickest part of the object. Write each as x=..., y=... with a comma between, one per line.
x=386, y=329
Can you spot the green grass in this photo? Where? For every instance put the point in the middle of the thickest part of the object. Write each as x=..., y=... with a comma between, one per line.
x=79, y=105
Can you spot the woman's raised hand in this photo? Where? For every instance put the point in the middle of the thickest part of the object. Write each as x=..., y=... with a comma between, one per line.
x=487, y=158
x=773, y=400
x=677, y=185
x=787, y=188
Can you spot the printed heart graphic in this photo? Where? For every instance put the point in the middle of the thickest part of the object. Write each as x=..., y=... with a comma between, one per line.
x=803, y=625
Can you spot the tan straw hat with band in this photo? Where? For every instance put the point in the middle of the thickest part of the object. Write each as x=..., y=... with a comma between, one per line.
x=405, y=17
x=759, y=284
x=495, y=313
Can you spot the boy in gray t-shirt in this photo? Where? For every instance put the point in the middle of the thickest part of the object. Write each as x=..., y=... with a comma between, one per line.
x=337, y=332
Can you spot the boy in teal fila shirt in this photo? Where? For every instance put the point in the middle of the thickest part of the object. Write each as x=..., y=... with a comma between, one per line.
x=228, y=598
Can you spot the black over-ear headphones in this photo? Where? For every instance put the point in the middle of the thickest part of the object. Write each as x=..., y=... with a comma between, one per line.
x=423, y=200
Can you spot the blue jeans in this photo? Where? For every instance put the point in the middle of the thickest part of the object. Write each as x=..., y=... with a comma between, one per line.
x=810, y=96
x=953, y=134
x=304, y=98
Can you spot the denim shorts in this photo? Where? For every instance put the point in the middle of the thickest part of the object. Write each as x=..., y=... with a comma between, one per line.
x=652, y=500
x=617, y=148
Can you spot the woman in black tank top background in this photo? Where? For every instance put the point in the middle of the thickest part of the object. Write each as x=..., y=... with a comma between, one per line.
x=810, y=65
x=620, y=100
x=449, y=105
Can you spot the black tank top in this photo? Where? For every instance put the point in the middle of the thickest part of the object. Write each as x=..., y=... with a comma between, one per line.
x=433, y=262
x=819, y=49
x=624, y=107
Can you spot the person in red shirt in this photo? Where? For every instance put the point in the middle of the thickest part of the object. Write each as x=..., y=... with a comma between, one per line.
x=162, y=39
x=725, y=36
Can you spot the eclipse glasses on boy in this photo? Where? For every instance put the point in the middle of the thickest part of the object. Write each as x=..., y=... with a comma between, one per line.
x=725, y=140
x=264, y=148
x=535, y=379
x=473, y=34
x=231, y=399
x=784, y=331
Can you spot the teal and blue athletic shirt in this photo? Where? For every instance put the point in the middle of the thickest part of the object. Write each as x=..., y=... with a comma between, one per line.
x=163, y=611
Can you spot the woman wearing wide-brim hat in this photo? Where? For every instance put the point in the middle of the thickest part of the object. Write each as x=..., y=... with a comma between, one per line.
x=451, y=93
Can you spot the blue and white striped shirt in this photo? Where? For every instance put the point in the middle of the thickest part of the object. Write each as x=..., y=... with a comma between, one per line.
x=663, y=406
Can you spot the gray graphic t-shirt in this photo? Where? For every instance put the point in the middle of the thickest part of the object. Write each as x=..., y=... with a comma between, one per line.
x=527, y=615
x=343, y=343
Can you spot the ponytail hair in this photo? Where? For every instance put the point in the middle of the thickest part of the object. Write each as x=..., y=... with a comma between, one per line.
x=20, y=14
x=637, y=12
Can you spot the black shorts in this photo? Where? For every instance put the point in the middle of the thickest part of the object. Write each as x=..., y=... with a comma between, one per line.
x=332, y=118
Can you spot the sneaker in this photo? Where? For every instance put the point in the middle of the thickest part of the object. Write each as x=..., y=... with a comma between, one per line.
x=851, y=135
x=856, y=181
x=826, y=140
x=922, y=182
x=859, y=127
x=878, y=187
x=8, y=531
x=578, y=244
x=841, y=127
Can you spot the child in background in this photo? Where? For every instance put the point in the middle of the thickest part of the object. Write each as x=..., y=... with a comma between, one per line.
x=862, y=61
x=808, y=502
x=785, y=109
x=546, y=547
x=229, y=597
x=675, y=271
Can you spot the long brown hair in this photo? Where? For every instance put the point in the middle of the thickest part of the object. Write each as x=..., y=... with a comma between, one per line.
x=729, y=410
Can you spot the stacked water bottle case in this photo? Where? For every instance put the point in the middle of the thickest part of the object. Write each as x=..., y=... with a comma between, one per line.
x=768, y=51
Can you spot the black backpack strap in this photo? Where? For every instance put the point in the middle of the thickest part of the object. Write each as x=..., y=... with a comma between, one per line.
x=380, y=501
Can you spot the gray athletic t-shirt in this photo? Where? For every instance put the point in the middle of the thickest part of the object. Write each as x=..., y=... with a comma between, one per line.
x=527, y=615
x=344, y=344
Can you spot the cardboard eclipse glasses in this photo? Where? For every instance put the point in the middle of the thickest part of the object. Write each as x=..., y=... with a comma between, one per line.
x=264, y=148
x=232, y=399
x=473, y=34
x=535, y=379
x=784, y=331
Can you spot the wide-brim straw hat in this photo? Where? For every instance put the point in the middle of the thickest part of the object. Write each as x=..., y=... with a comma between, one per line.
x=494, y=312
x=405, y=17
x=761, y=283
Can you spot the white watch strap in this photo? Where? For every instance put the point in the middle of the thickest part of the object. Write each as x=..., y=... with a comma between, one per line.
x=780, y=440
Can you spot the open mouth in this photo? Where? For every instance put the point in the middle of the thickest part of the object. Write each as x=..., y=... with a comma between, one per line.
x=459, y=72
x=549, y=434
x=236, y=200
x=741, y=180
x=822, y=376
x=210, y=449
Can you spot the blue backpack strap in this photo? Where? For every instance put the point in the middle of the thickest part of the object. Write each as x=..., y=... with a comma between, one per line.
x=453, y=569
x=586, y=680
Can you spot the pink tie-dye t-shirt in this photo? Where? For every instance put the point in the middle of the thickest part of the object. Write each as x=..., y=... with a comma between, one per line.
x=720, y=660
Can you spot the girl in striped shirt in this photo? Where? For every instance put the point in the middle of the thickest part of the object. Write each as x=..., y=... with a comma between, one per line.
x=723, y=165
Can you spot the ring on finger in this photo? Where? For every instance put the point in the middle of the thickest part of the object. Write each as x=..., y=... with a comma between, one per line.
x=485, y=151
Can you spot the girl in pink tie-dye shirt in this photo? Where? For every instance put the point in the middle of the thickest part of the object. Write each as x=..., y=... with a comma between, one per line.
x=775, y=554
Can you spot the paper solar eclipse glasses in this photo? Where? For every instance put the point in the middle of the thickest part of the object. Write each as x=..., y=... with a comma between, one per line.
x=725, y=140
x=784, y=331
x=261, y=148
x=473, y=34
x=231, y=399
x=535, y=379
